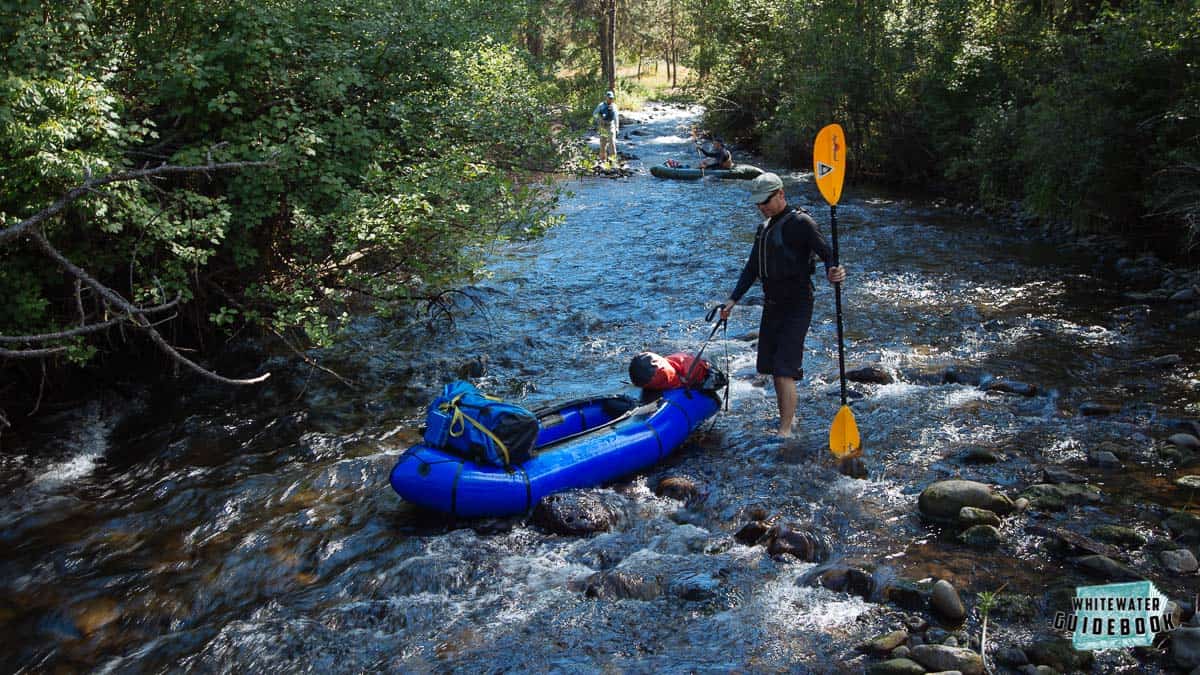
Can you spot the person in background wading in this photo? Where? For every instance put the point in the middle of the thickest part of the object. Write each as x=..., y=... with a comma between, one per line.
x=780, y=259
x=608, y=120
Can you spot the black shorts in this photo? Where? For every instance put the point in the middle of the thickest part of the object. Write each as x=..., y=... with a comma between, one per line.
x=781, y=338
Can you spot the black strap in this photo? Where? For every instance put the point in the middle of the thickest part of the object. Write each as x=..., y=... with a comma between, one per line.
x=657, y=438
x=454, y=490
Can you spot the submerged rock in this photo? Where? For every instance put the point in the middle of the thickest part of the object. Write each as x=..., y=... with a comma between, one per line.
x=1059, y=655
x=870, y=375
x=883, y=644
x=848, y=579
x=981, y=535
x=621, y=584
x=1097, y=409
x=1119, y=535
x=1106, y=568
x=1011, y=387
x=681, y=488
x=796, y=542
x=574, y=513
x=752, y=533
x=1046, y=497
x=1057, y=474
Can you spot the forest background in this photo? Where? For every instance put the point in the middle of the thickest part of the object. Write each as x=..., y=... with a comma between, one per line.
x=179, y=172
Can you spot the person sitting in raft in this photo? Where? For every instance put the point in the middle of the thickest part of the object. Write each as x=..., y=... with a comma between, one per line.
x=717, y=158
x=655, y=374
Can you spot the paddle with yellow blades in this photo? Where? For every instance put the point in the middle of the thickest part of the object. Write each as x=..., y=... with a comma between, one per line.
x=829, y=170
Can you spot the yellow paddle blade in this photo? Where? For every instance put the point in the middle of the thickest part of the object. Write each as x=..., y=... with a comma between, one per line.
x=843, y=435
x=829, y=162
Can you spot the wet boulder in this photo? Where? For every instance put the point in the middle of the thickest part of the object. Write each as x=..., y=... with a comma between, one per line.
x=870, y=375
x=1005, y=386
x=619, y=584
x=896, y=667
x=941, y=658
x=1106, y=568
x=942, y=501
x=907, y=594
x=1059, y=655
x=946, y=604
x=1046, y=497
x=752, y=533
x=884, y=644
x=694, y=586
x=1126, y=537
x=854, y=467
x=969, y=516
x=963, y=376
x=851, y=580
x=1184, y=527
x=982, y=536
x=1179, y=561
x=980, y=456
x=1185, y=441
x=681, y=488
x=1185, y=647
x=1058, y=474
x=1098, y=409
x=574, y=513
x=797, y=542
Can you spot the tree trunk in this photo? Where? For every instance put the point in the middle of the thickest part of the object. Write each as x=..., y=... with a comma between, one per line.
x=608, y=42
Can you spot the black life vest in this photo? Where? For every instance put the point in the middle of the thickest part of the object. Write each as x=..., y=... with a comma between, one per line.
x=607, y=112
x=778, y=261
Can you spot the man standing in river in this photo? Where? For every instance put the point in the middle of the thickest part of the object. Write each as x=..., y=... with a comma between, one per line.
x=783, y=245
x=609, y=120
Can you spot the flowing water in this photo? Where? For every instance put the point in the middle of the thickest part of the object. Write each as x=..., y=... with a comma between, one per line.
x=255, y=531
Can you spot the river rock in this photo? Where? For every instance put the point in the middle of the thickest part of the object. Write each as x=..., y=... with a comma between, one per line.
x=896, y=667
x=694, y=586
x=1179, y=561
x=797, y=542
x=983, y=536
x=850, y=580
x=680, y=488
x=95, y=614
x=752, y=533
x=1047, y=497
x=1165, y=361
x=1012, y=657
x=1106, y=568
x=1184, y=527
x=944, y=602
x=870, y=375
x=1119, y=535
x=853, y=467
x=941, y=657
x=907, y=594
x=1098, y=409
x=942, y=501
x=574, y=513
x=619, y=584
x=1185, y=647
x=1011, y=387
x=969, y=515
x=980, y=456
x=1059, y=655
x=1185, y=441
x=1104, y=459
x=883, y=644
x=1055, y=475
x=962, y=376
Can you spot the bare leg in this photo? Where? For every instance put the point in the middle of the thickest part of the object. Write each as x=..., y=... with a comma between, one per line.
x=785, y=395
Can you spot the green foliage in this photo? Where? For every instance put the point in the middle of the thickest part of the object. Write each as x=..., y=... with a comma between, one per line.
x=1084, y=111
x=404, y=136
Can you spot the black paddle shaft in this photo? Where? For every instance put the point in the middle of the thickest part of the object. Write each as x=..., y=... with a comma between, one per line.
x=687, y=379
x=837, y=301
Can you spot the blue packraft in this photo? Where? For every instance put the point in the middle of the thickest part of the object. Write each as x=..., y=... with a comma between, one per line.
x=478, y=427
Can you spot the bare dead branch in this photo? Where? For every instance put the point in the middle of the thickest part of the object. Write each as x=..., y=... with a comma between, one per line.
x=90, y=183
x=79, y=303
x=85, y=329
x=31, y=353
x=135, y=314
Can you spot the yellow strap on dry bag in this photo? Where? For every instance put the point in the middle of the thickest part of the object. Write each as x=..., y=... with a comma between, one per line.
x=459, y=419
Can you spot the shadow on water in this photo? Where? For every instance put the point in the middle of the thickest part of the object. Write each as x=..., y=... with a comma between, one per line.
x=258, y=532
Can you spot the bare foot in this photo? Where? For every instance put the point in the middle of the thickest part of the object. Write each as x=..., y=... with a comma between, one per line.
x=782, y=433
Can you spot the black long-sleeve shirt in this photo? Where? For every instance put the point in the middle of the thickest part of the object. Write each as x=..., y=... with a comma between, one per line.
x=802, y=239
